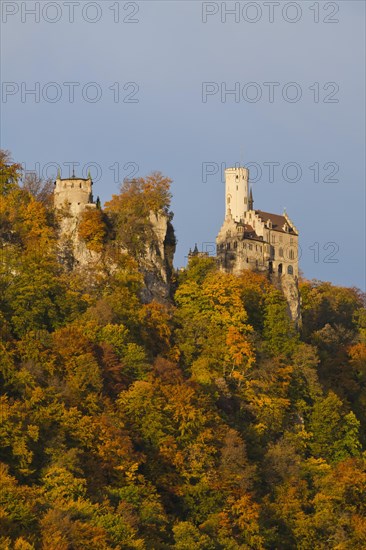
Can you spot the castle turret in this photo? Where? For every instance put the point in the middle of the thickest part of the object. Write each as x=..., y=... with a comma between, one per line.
x=237, y=192
x=73, y=193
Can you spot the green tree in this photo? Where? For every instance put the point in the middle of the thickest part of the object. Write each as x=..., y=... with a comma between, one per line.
x=335, y=435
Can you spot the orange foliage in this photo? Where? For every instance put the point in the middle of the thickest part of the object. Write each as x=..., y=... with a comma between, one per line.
x=92, y=229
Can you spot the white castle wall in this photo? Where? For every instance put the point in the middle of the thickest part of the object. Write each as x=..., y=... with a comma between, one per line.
x=74, y=193
x=236, y=192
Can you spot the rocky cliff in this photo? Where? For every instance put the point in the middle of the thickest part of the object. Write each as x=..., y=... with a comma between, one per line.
x=156, y=264
x=289, y=286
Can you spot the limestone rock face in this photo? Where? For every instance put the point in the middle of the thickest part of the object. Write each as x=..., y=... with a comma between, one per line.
x=73, y=252
x=156, y=264
x=290, y=289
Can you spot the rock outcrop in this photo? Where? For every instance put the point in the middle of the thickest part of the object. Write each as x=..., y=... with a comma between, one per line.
x=156, y=264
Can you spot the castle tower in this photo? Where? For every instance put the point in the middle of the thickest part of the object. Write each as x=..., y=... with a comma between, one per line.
x=236, y=192
x=74, y=193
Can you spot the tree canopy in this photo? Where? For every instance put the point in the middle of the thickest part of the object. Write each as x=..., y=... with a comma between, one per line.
x=205, y=422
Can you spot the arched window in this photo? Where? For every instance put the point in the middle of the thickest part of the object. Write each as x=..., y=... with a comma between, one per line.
x=291, y=254
x=280, y=252
x=280, y=268
x=228, y=199
x=290, y=270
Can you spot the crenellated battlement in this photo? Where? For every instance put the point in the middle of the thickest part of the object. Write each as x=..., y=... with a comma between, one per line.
x=73, y=193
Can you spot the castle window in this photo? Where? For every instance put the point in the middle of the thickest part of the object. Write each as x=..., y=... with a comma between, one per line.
x=269, y=224
x=280, y=252
x=273, y=238
x=290, y=270
x=250, y=247
x=80, y=185
x=228, y=246
x=280, y=268
x=235, y=244
x=291, y=254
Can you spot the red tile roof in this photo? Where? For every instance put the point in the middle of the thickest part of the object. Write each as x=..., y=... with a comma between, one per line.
x=278, y=221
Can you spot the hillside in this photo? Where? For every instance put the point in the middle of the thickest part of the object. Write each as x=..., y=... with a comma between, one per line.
x=143, y=408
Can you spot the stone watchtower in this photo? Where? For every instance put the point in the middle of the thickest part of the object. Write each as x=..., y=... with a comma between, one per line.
x=237, y=192
x=73, y=193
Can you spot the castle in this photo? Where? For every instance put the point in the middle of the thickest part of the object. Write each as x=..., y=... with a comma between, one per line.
x=253, y=239
x=256, y=240
x=248, y=239
x=73, y=193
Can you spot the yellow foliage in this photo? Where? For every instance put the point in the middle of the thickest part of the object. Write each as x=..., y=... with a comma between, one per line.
x=92, y=229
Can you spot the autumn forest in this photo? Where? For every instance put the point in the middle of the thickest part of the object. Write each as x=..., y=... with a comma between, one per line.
x=206, y=421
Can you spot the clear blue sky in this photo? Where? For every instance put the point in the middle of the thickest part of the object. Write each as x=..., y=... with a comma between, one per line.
x=169, y=52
